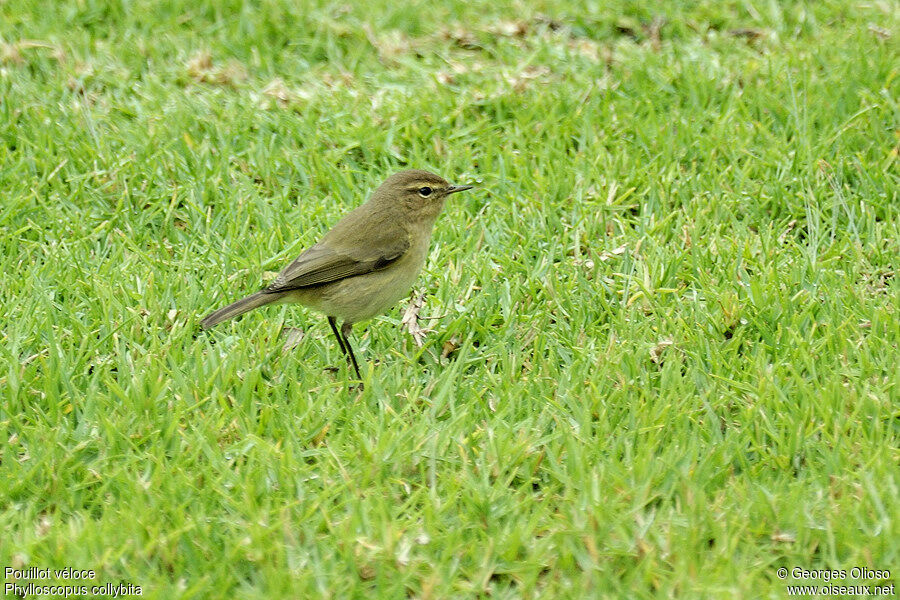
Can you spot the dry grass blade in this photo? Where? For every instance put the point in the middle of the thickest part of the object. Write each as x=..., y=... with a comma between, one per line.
x=410, y=319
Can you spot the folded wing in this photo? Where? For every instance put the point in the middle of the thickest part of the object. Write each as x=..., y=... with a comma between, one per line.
x=323, y=265
x=343, y=253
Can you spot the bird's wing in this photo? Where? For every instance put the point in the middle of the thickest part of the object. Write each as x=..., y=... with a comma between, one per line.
x=343, y=252
x=323, y=265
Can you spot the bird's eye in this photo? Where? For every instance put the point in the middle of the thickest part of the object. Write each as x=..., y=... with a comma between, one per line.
x=425, y=191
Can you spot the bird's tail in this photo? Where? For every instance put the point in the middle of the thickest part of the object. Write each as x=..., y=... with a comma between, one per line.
x=238, y=308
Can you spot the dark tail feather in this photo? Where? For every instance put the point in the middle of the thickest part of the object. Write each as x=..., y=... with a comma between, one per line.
x=238, y=308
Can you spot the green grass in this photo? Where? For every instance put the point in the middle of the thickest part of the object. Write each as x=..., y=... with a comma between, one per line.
x=671, y=306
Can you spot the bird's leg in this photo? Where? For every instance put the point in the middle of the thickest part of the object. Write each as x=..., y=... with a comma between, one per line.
x=346, y=328
x=333, y=322
x=344, y=343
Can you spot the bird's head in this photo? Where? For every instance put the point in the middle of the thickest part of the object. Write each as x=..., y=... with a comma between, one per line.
x=419, y=194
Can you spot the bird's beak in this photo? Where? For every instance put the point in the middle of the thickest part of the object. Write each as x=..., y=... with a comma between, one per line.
x=458, y=188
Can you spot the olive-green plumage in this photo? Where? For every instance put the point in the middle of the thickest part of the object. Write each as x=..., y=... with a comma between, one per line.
x=366, y=263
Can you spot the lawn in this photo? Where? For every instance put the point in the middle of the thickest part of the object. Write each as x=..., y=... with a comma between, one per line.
x=661, y=356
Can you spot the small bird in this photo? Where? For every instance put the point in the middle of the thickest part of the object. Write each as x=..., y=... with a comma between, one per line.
x=366, y=263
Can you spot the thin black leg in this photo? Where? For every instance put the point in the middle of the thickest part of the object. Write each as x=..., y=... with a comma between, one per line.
x=346, y=328
x=333, y=322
